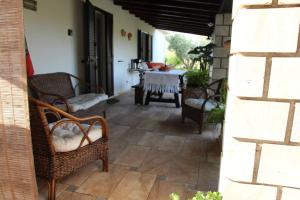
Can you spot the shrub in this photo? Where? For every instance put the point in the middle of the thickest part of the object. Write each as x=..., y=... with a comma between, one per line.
x=200, y=196
x=197, y=78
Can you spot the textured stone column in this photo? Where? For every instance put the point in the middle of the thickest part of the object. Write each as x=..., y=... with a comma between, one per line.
x=17, y=176
x=261, y=147
x=222, y=34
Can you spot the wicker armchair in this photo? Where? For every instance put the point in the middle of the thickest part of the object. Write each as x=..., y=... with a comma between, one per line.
x=197, y=101
x=57, y=88
x=52, y=165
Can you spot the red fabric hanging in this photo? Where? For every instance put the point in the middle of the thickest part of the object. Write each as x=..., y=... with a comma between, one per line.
x=29, y=65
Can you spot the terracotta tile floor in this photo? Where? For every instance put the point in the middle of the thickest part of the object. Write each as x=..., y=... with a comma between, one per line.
x=152, y=154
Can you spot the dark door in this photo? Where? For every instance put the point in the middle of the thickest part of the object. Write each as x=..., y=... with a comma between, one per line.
x=98, y=49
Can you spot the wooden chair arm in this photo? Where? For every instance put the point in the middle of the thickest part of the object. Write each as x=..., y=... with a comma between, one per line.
x=216, y=82
x=92, y=120
x=82, y=129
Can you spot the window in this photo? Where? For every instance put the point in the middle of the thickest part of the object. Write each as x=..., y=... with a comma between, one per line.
x=144, y=46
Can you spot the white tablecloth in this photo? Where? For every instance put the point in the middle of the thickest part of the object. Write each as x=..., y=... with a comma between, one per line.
x=165, y=82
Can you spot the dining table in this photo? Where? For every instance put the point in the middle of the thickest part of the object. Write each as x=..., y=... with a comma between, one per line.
x=157, y=83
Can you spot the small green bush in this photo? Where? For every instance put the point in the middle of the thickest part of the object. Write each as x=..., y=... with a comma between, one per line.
x=197, y=78
x=216, y=115
x=200, y=196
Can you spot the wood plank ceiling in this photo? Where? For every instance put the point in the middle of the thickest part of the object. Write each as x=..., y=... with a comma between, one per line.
x=189, y=16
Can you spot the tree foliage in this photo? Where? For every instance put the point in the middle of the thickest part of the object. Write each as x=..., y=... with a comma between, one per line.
x=181, y=46
x=172, y=59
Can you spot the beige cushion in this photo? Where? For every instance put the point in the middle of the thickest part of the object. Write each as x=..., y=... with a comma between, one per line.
x=67, y=136
x=83, y=102
x=197, y=103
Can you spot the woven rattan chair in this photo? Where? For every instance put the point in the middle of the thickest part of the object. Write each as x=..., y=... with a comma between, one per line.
x=58, y=87
x=208, y=98
x=52, y=165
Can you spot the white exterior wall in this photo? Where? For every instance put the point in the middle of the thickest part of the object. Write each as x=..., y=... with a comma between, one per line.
x=159, y=46
x=52, y=50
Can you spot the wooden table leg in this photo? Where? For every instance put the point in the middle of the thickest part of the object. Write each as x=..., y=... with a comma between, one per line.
x=176, y=96
x=148, y=98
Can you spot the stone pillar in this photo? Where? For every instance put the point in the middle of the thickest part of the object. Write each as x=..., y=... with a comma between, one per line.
x=261, y=147
x=221, y=54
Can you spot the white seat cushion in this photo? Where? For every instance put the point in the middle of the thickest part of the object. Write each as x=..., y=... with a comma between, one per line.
x=67, y=136
x=83, y=102
x=197, y=103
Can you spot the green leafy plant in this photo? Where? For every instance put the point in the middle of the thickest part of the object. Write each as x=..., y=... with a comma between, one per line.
x=200, y=196
x=174, y=196
x=217, y=114
x=197, y=78
x=204, y=55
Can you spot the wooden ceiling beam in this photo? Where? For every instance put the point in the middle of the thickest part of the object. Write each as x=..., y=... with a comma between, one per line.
x=172, y=4
x=169, y=13
x=154, y=21
x=186, y=10
x=204, y=26
x=185, y=30
x=191, y=16
x=176, y=2
x=179, y=26
x=162, y=18
x=182, y=26
x=192, y=31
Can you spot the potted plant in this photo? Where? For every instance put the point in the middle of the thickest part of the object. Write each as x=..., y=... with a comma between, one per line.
x=217, y=115
x=200, y=196
x=197, y=78
x=200, y=78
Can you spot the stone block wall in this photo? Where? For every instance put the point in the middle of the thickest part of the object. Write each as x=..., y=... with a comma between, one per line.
x=261, y=145
x=221, y=54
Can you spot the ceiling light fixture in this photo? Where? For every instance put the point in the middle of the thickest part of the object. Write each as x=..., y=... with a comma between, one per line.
x=210, y=24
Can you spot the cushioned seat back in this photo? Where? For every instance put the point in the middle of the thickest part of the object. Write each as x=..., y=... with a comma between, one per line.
x=54, y=83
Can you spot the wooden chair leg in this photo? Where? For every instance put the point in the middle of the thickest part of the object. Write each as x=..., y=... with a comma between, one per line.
x=105, y=164
x=200, y=128
x=51, y=189
x=200, y=122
